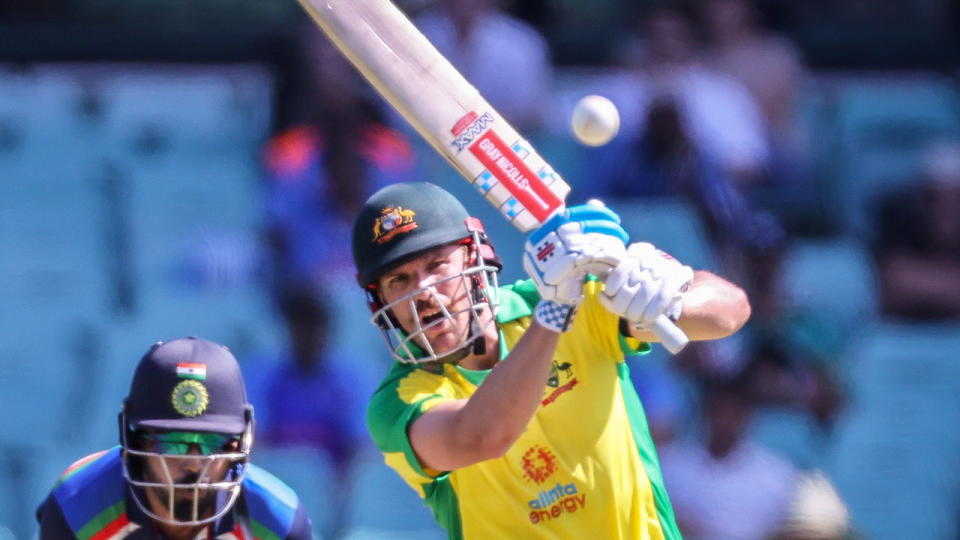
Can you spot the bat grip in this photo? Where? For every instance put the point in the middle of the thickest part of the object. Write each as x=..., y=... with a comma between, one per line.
x=671, y=336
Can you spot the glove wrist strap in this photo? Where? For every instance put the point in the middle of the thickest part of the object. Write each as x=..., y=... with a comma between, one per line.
x=553, y=316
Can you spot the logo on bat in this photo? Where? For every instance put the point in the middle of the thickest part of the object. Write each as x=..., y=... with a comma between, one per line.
x=393, y=221
x=468, y=128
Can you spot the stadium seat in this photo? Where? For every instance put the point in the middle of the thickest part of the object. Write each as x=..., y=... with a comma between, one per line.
x=880, y=128
x=382, y=505
x=672, y=225
x=830, y=284
x=47, y=376
x=894, y=452
x=304, y=469
x=791, y=433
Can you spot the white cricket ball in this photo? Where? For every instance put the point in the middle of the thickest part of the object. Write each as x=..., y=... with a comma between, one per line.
x=595, y=120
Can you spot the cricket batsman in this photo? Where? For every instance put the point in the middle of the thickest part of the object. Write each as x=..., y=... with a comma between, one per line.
x=181, y=471
x=510, y=410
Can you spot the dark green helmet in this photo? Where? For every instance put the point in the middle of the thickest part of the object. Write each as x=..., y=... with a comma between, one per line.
x=402, y=220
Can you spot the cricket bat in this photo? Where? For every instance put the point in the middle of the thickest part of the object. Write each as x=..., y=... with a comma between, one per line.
x=451, y=115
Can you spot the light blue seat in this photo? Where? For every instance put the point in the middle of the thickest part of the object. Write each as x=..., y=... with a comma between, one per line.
x=894, y=452
x=351, y=328
x=881, y=126
x=304, y=469
x=10, y=507
x=925, y=100
x=671, y=224
x=830, y=284
x=42, y=366
x=791, y=433
x=382, y=505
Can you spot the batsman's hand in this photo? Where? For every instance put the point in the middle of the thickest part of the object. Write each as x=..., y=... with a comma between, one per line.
x=646, y=284
x=583, y=239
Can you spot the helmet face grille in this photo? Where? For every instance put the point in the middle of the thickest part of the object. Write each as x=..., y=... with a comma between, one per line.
x=184, y=489
x=480, y=282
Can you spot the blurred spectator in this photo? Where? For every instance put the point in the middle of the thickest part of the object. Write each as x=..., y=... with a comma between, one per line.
x=665, y=160
x=314, y=397
x=777, y=377
x=507, y=60
x=726, y=486
x=918, y=242
x=319, y=171
x=770, y=67
x=719, y=113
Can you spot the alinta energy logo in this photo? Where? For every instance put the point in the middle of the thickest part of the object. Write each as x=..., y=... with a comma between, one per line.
x=555, y=502
x=539, y=464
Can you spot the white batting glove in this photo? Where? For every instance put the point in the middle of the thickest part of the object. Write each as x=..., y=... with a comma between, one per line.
x=647, y=284
x=585, y=239
x=559, y=263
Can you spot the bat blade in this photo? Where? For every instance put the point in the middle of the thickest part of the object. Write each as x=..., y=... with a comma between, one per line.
x=451, y=115
x=444, y=108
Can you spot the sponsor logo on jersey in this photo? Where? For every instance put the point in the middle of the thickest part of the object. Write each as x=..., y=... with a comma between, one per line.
x=538, y=464
x=559, y=372
x=393, y=220
x=468, y=128
x=554, y=503
x=190, y=397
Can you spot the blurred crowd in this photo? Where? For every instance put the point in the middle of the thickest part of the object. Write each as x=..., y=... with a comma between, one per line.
x=711, y=104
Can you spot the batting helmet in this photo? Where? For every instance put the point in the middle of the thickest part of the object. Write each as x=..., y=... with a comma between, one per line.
x=400, y=221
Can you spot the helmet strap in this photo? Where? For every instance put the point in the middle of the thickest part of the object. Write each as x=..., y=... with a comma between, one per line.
x=479, y=345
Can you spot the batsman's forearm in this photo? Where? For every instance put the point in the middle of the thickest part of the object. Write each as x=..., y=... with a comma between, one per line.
x=502, y=407
x=712, y=308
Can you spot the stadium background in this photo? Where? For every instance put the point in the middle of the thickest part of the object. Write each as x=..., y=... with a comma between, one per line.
x=131, y=210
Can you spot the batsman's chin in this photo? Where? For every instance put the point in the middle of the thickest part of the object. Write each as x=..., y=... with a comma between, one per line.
x=443, y=338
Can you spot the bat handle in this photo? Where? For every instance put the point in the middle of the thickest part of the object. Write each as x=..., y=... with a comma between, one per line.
x=671, y=336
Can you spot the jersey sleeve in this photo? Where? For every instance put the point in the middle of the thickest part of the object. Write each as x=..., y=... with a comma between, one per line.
x=405, y=394
x=53, y=526
x=301, y=529
x=274, y=508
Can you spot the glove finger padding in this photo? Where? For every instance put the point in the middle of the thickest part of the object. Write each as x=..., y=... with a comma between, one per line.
x=647, y=284
x=667, y=298
x=561, y=292
x=560, y=254
x=602, y=253
x=628, y=290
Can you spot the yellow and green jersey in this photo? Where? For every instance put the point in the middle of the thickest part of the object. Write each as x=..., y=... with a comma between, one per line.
x=584, y=468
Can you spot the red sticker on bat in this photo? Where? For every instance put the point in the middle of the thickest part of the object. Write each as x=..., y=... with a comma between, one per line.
x=462, y=123
x=515, y=175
